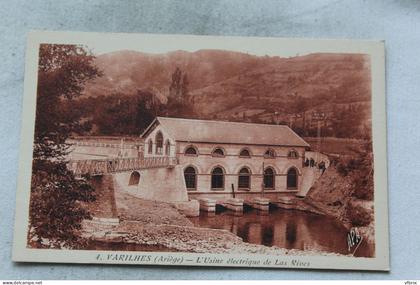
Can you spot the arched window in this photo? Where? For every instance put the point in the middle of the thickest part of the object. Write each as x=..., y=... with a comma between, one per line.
x=190, y=176
x=244, y=153
x=218, y=152
x=244, y=178
x=134, y=178
x=292, y=179
x=217, y=178
x=269, y=178
x=293, y=154
x=191, y=151
x=269, y=153
x=159, y=143
x=168, y=148
x=150, y=146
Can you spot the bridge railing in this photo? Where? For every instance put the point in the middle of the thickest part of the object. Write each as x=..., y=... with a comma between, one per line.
x=104, y=166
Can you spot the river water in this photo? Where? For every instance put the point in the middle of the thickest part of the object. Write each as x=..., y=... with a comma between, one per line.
x=289, y=229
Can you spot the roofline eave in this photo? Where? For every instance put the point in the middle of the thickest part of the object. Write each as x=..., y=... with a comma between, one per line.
x=214, y=142
x=149, y=127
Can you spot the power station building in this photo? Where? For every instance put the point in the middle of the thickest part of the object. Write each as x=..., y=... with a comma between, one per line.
x=217, y=159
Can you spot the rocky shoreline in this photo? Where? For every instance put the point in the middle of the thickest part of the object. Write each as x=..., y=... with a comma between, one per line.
x=331, y=196
x=160, y=225
x=187, y=239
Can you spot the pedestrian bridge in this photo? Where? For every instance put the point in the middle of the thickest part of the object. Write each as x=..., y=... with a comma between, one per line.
x=95, y=167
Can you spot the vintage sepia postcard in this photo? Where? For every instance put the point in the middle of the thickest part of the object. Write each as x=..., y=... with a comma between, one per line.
x=203, y=151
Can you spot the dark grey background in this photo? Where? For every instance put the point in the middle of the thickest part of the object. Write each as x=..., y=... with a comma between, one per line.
x=397, y=22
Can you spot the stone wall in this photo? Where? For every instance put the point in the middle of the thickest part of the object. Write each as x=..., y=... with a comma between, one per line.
x=105, y=205
x=153, y=186
x=160, y=184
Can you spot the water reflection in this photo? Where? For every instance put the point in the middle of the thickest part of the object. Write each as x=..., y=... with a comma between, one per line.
x=284, y=228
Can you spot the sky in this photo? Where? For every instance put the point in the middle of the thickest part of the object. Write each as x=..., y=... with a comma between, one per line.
x=101, y=43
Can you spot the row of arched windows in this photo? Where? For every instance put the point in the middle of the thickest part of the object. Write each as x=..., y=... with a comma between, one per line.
x=220, y=152
x=244, y=178
x=165, y=148
x=218, y=178
x=159, y=145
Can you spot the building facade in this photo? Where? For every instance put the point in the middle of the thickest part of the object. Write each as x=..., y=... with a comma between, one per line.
x=219, y=159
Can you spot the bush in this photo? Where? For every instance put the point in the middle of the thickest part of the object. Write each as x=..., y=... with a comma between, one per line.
x=358, y=215
x=342, y=169
x=359, y=169
x=364, y=189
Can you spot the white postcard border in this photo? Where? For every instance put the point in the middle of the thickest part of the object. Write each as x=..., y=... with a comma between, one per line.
x=270, y=46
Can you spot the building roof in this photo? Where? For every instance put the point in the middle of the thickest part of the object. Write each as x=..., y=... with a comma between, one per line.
x=191, y=130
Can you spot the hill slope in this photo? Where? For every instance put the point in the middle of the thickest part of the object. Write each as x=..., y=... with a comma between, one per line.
x=242, y=87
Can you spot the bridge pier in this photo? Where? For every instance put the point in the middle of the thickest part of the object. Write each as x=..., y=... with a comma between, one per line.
x=285, y=202
x=259, y=203
x=234, y=204
x=104, y=208
x=207, y=205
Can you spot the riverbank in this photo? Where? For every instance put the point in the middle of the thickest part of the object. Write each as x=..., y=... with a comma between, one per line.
x=159, y=225
x=187, y=239
x=332, y=195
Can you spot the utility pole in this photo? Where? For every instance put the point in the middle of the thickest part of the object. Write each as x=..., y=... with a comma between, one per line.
x=319, y=117
x=262, y=183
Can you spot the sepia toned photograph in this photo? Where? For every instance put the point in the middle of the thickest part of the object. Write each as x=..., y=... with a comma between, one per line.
x=209, y=151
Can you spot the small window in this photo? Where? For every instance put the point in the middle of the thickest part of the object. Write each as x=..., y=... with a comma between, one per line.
x=269, y=153
x=191, y=151
x=293, y=154
x=168, y=148
x=190, y=176
x=217, y=178
x=150, y=146
x=269, y=178
x=292, y=179
x=159, y=143
x=244, y=153
x=218, y=152
x=244, y=179
x=134, y=179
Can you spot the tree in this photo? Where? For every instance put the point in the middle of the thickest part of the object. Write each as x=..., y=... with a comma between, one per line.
x=148, y=107
x=125, y=114
x=179, y=104
x=363, y=175
x=56, y=209
x=346, y=122
x=178, y=89
x=359, y=168
x=184, y=86
x=175, y=89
